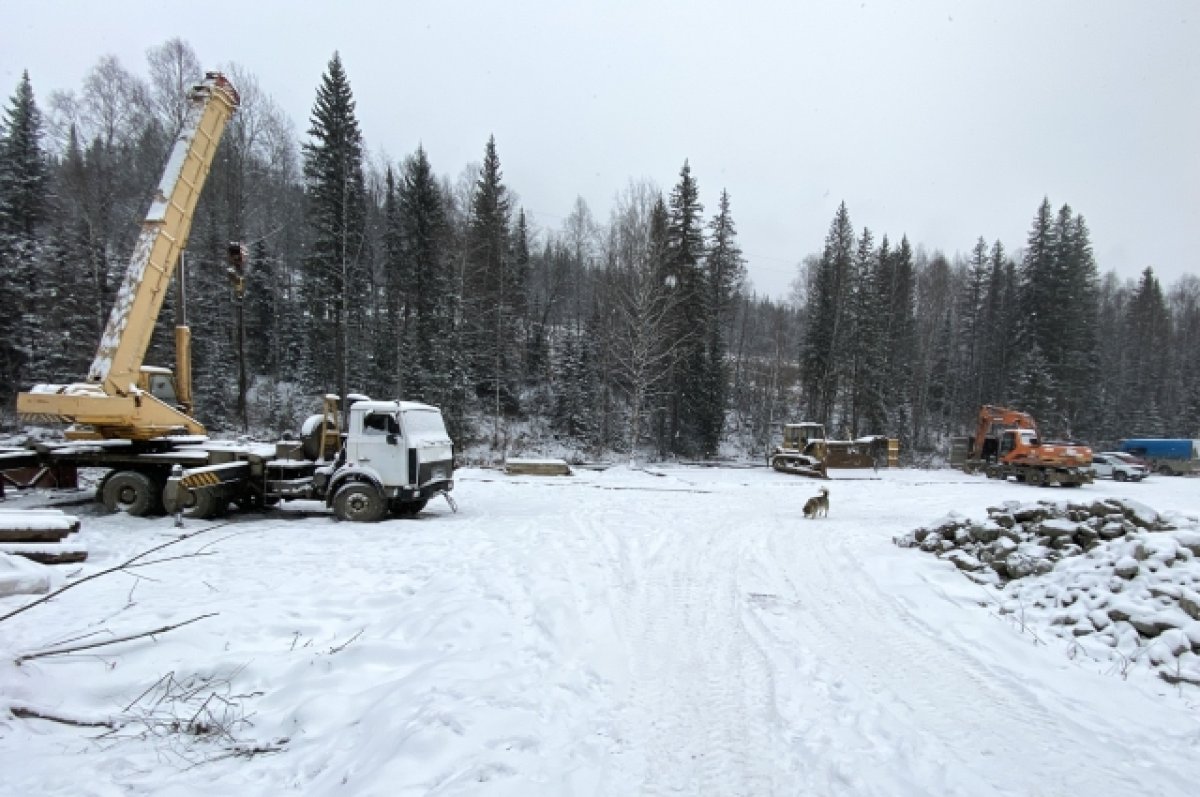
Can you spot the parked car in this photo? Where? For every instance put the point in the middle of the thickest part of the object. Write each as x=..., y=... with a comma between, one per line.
x=1118, y=466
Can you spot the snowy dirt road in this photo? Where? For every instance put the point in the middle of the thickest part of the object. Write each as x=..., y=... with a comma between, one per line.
x=652, y=632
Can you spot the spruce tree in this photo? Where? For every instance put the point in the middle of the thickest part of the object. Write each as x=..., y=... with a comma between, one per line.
x=725, y=271
x=866, y=348
x=487, y=300
x=24, y=174
x=896, y=287
x=1078, y=320
x=973, y=333
x=825, y=334
x=394, y=345
x=437, y=364
x=1148, y=329
x=336, y=275
x=1039, y=278
x=24, y=203
x=689, y=406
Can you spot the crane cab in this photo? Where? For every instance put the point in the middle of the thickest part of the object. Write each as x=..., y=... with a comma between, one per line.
x=160, y=383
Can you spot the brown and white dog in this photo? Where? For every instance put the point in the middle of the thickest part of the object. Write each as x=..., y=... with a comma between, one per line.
x=817, y=505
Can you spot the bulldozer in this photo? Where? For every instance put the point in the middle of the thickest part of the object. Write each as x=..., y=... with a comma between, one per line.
x=803, y=451
x=1006, y=444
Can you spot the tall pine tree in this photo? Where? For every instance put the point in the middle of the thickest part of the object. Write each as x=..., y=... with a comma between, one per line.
x=436, y=367
x=24, y=202
x=825, y=337
x=487, y=296
x=335, y=269
x=688, y=403
x=725, y=271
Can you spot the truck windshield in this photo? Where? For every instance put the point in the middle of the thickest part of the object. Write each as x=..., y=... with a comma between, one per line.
x=424, y=423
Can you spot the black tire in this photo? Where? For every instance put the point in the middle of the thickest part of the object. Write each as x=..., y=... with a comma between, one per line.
x=1119, y=476
x=206, y=505
x=408, y=508
x=359, y=502
x=130, y=492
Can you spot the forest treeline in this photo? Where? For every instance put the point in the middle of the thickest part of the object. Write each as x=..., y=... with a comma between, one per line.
x=638, y=332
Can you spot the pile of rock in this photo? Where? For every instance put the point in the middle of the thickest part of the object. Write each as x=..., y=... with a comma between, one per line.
x=1116, y=578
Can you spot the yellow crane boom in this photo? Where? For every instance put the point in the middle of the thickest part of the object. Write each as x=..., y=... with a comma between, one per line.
x=116, y=400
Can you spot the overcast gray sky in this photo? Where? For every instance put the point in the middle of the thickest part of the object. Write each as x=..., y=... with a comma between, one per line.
x=943, y=120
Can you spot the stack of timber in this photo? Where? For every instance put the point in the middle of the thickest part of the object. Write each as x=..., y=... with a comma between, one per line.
x=40, y=534
x=536, y=467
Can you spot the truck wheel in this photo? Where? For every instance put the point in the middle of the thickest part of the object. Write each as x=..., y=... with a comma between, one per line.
x=358, y=501
x=408, y=508
x=1119, y=476
x=130, y=492
x=206, y=504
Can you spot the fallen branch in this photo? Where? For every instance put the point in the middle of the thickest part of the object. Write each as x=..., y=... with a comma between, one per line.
x=134, y=561
x=76, y=648
x=26, y=713
x=341, y=647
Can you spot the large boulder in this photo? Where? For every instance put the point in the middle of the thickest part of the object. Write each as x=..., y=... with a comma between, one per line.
x=1127, y=567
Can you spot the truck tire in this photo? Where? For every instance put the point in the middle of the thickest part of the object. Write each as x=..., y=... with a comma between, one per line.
x=407, y=508
x=1119, y=476
x=131, y=492
x=359, y=502
x=206, y=504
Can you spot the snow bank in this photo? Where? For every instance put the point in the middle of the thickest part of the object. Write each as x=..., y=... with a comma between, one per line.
x=19, y=576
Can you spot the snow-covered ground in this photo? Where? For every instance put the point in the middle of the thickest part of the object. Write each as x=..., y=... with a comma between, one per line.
x=663, y=631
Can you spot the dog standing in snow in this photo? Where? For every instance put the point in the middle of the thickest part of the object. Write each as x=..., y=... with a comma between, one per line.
x=817, y=505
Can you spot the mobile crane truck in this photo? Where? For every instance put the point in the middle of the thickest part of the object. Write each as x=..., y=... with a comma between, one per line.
x=135, y=421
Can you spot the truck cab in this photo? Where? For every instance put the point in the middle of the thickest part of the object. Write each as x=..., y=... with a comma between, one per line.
x=397, y=455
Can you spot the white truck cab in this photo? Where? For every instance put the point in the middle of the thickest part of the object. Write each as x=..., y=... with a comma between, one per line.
x=397, y=455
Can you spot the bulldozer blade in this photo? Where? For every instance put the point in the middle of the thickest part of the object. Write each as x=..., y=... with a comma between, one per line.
x=795, y=470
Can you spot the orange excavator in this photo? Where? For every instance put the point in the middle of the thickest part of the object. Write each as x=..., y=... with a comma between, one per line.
x=1006, y=443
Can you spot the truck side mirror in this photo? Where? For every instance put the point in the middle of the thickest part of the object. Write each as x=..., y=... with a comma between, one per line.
x=392, y=440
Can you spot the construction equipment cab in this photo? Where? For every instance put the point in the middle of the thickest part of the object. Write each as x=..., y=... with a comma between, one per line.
x=802, y=452
x=396, y=456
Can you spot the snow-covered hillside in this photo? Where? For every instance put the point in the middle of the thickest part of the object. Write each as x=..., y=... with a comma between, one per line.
x=617, y=632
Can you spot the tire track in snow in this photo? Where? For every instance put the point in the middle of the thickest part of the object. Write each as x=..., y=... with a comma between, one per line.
x=904, y=696
x=701, y=699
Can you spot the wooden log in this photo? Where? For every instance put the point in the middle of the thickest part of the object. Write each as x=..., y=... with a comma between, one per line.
x=46, y=554
x=17, y=525
x=10, y=534
x=537, y=467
